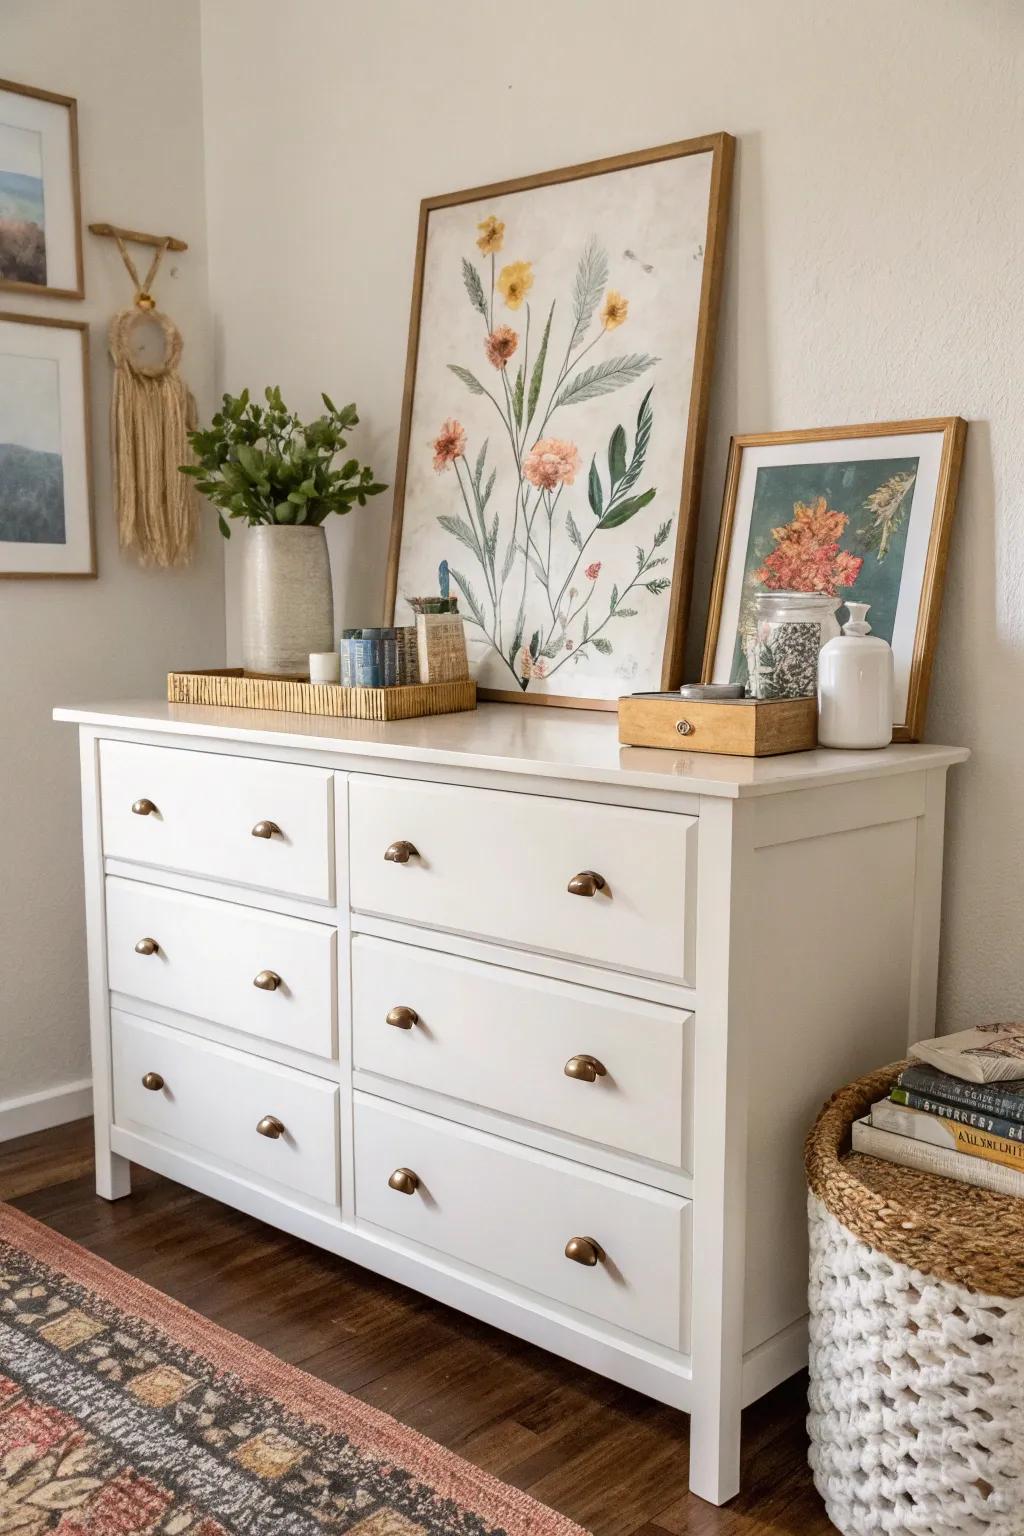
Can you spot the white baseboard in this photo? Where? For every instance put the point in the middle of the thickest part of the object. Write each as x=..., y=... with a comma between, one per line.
x=41, y=1111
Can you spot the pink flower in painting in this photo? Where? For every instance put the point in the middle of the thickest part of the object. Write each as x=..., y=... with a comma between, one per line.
x=531, y=666
x=551, y=461
x=449, y=444
x=807, y=557
x=593, y=571
x=500, y=345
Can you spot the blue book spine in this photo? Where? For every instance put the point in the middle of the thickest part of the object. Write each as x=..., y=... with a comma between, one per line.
x=994, y=1125
x=369, y=671
x=1002, y=1100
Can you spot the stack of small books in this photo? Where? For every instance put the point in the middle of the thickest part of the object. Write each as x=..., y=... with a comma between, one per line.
x=957, y=1110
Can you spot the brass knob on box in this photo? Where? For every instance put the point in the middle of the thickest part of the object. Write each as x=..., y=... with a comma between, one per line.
x=266, y=829
x=587, y=883
x=402, y=1017
x=271, y=1127
x=267, y=981
x=144, y=807
x=405, y=1181
x=153, y=1081
x=147, y=947
x=585, y=1250
x=585, y=1069
x=400, y=852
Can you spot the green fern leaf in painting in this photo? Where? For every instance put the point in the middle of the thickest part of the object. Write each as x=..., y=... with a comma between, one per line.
x=602, y=378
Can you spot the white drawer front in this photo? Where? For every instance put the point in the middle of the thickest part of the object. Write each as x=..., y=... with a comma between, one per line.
x=209, y=955
x=206, y=806
x=510, y=1211
x=502, y=1039
x=498, y=864
x=213, y=1098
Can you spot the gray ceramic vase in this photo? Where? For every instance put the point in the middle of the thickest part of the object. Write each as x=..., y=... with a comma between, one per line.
x=288, y=601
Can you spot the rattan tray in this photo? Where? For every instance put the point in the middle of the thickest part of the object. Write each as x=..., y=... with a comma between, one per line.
x=240, y=690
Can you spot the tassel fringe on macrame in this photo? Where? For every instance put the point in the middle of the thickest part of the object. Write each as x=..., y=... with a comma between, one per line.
x=152, y=411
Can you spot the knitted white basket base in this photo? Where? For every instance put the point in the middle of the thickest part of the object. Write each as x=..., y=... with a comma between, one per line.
x=916, y=1396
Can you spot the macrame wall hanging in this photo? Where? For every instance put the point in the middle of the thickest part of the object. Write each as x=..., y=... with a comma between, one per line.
x=151, y=413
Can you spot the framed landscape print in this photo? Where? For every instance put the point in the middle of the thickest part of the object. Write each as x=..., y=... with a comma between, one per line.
x=859, y=512
x=45, y=491
x=40, y=217
x=553, y=423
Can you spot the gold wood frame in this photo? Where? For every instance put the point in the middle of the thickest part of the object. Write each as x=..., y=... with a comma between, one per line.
x=78, y=292
x=954, y=433
x=722, y=149
x=82, y=327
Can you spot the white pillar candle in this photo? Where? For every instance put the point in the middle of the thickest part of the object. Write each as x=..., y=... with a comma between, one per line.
x=324, y=667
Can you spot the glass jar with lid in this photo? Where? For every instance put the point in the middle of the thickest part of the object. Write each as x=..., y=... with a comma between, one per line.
x=789, y=629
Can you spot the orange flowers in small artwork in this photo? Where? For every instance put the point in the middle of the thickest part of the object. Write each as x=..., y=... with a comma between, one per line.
x=807, y=557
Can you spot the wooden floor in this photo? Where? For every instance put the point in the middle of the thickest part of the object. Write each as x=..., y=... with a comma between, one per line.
x=607, y=1457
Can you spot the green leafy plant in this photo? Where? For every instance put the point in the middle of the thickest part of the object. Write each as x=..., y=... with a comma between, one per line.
x=262, y=463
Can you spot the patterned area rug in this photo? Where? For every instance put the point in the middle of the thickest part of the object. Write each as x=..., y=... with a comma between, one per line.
x=123, y=1413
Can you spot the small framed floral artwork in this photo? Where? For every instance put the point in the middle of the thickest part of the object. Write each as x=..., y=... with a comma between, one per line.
x=45, y=492
x=40, y=217
x=555, y=406
x=860, y=512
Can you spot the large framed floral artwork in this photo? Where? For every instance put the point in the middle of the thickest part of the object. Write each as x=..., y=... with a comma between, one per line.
x=861, y=512
x=556, y=398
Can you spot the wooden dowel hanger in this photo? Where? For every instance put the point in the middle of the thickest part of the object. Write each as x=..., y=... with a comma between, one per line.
x=112, y=231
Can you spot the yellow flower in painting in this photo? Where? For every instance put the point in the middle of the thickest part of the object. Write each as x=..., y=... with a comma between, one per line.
x=515, y=282
x=614, y=311
x=492, y=234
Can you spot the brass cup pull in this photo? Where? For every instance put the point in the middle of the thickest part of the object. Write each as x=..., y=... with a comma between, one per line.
x=147, y=947
x=587, y=883
x=266, y=829
x=402, y=1017
x=405, y=1181
x=267, y=981
x=585, y=1069
x=153, y=1081
x=144, y=807
x=271, y=1127
x=401, y=852
x=585, y=1250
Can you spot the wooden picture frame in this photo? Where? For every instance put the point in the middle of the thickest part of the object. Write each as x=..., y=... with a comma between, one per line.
x=916, y=459
x=74, y=554
x=680, y=503
x=50, y=183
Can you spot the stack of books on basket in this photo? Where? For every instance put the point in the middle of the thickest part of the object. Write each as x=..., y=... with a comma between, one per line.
x=957, y=1110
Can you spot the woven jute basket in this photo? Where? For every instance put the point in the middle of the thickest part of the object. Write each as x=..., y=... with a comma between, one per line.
x=916, y=1340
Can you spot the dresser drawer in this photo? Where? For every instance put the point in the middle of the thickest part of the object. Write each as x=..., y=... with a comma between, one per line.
x=212, y=1099
x=499, y=864
x=511, y=1211
x=503, y=1039
x=210, y=955
x=196, y=812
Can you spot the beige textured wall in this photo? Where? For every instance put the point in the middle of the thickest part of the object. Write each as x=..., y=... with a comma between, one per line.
x=874, y=270
x=134, y=67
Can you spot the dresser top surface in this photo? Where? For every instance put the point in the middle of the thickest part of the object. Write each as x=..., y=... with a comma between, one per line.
x=574, y=745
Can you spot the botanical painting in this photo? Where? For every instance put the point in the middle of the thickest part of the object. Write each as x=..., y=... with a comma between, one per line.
x=45, y=494
x=31, y=472
x=837, y=528
x=22, y=220
x=850, y=512
x=545, y=456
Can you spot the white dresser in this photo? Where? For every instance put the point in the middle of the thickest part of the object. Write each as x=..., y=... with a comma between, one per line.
x=528, y=1021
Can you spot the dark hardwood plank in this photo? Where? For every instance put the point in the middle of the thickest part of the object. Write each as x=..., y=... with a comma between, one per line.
x=608, y=1457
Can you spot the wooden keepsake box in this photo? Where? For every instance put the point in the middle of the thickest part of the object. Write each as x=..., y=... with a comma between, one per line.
x=737, y=727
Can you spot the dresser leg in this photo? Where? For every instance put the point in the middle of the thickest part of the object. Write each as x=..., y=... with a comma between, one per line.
x=714, y=1455
x=113, y=1174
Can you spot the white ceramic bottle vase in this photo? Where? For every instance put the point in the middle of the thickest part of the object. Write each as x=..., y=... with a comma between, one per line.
x=855, y=686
